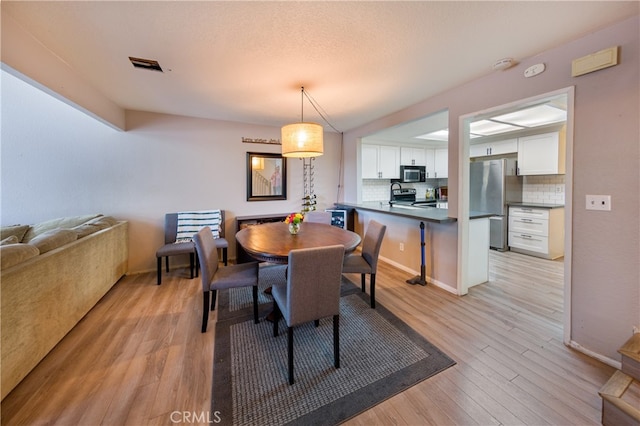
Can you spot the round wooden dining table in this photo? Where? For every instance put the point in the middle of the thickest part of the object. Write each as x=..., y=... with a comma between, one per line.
x=272, y=242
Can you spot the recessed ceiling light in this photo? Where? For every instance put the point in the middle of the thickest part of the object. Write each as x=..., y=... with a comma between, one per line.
x=438, y=135
x=488, y=127
x=539, y=115
x=148, y=64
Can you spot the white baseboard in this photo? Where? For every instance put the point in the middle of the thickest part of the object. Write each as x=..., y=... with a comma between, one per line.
x=611, y=362
x=413, y=273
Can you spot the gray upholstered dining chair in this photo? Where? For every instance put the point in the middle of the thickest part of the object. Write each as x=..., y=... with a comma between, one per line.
x=312, y=292
x=171, y=248
x=367, y=261
x=318, y=217
x=215, y=278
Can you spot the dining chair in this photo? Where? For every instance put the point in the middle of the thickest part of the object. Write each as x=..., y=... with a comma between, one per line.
x=173, y=248
x=367, y=261
x=312, y=292
x=216, y=278
x=318, y=217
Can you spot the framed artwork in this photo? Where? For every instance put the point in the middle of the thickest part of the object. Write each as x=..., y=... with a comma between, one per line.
x=266, y=177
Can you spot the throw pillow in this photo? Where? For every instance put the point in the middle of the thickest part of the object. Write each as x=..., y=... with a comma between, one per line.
x=62, y=222
x=12, y=254
x=10, y=240
x=53, y=239
x=17, y=230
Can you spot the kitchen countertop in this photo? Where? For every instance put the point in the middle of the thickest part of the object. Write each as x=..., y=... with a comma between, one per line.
x=427, y=214
x=537, y=205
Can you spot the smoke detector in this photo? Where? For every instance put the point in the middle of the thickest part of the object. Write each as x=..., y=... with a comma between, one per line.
x=503, y=64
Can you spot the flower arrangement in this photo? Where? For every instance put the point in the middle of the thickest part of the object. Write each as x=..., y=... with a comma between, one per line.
x=295, y=218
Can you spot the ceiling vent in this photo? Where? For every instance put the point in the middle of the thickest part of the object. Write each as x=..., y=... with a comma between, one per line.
x=147, y=64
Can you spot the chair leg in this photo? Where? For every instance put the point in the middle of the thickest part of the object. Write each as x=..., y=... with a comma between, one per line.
x=336, y=341
x=191, y=263
x=316, y=323
x=362, y=281
x=205, y=311
x=214, y=294
x=197, y=264
x=224, y=256
x=255, y=304
x=276, y=318
x=159, y=270
x=290, y=353
x=167, y=263
x=372, y=290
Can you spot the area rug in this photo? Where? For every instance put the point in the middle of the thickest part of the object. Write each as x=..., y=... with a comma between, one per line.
x=380, y=357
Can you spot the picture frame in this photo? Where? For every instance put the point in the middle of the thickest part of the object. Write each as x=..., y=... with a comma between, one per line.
x=266, y=176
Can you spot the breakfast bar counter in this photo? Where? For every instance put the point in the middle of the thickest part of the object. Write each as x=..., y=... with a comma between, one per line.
x=426, y=214
x=403, y=247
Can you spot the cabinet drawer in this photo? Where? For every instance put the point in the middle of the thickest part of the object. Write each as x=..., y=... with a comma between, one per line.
x=529, y=212
x=529, y=242
x=527, y=225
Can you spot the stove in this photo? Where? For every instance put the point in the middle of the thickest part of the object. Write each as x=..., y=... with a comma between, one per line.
x=405, y=195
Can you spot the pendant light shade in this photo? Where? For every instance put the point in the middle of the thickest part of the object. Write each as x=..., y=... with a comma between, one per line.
x=302, y=139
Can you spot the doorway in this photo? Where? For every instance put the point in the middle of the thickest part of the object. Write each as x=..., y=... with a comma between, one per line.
x=563, y=96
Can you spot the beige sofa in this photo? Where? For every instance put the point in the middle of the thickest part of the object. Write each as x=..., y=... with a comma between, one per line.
x=45, y=295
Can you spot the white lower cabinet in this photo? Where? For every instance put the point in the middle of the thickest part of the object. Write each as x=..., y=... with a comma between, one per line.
x=537, y=231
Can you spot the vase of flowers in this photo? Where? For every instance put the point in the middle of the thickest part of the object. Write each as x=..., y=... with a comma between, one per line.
x=294, y=220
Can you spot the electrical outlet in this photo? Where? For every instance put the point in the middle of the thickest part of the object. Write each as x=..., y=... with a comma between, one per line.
x=559, y=189
x=599, y=202
x=401, y=246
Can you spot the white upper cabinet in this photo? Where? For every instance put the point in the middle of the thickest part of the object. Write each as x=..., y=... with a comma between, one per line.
x=508, y=146
x=441, y=163
x=412, y=156
x=430, y=163
x=380, y=162
x=542, y=154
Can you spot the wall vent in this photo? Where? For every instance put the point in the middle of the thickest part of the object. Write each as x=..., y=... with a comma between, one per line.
x=148, y=64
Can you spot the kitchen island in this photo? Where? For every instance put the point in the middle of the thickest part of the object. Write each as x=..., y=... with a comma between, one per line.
x=402, y=247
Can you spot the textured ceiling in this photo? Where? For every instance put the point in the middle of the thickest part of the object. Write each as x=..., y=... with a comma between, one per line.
x=245, y=61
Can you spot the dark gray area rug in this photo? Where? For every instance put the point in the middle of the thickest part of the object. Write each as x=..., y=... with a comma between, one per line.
x=380, y=357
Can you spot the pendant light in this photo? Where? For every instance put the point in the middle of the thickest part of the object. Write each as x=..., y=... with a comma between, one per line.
x=302, y=139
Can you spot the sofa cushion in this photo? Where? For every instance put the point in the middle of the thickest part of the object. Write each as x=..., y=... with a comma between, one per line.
x=12, y=254
x=52, y=239
x=17, y=230
x=9, y=240
x=94, y=225
x=62, y=222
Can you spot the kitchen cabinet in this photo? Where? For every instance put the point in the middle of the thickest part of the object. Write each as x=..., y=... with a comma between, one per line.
x=441, y=163
x=412, y=156
x=430, y=161
x=509, y=146
x=380, y=161
x=537, y=231
x=542, y=154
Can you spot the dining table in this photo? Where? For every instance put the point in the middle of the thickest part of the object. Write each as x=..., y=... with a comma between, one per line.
x=272, y=242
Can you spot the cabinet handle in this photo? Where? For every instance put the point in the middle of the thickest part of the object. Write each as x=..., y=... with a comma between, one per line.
x=526, y=220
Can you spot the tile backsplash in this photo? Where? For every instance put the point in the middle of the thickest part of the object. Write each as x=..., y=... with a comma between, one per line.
x=547, y=189
x=378, y=189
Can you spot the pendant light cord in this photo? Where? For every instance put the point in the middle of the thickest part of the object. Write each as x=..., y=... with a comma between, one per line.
x=323, y=114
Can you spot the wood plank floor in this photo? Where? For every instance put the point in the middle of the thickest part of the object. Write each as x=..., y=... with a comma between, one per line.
x=139, y=356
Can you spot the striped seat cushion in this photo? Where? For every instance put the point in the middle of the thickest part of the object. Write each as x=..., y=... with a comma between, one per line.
x=190, y=223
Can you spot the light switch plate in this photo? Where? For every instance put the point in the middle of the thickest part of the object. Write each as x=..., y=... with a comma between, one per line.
x=599, y=202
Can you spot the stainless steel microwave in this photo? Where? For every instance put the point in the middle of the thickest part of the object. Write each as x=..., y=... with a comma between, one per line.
x=412, y=173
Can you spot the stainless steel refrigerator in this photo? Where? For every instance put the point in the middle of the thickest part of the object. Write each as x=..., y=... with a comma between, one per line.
x=494, y=184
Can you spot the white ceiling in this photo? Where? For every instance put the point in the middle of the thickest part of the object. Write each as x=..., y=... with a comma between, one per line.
x=245, y=61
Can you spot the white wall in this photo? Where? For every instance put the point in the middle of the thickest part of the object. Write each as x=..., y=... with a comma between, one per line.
x=606, y=246
x=57, y=161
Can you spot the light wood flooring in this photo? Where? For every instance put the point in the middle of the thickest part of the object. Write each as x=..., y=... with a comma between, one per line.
x=139, y=355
